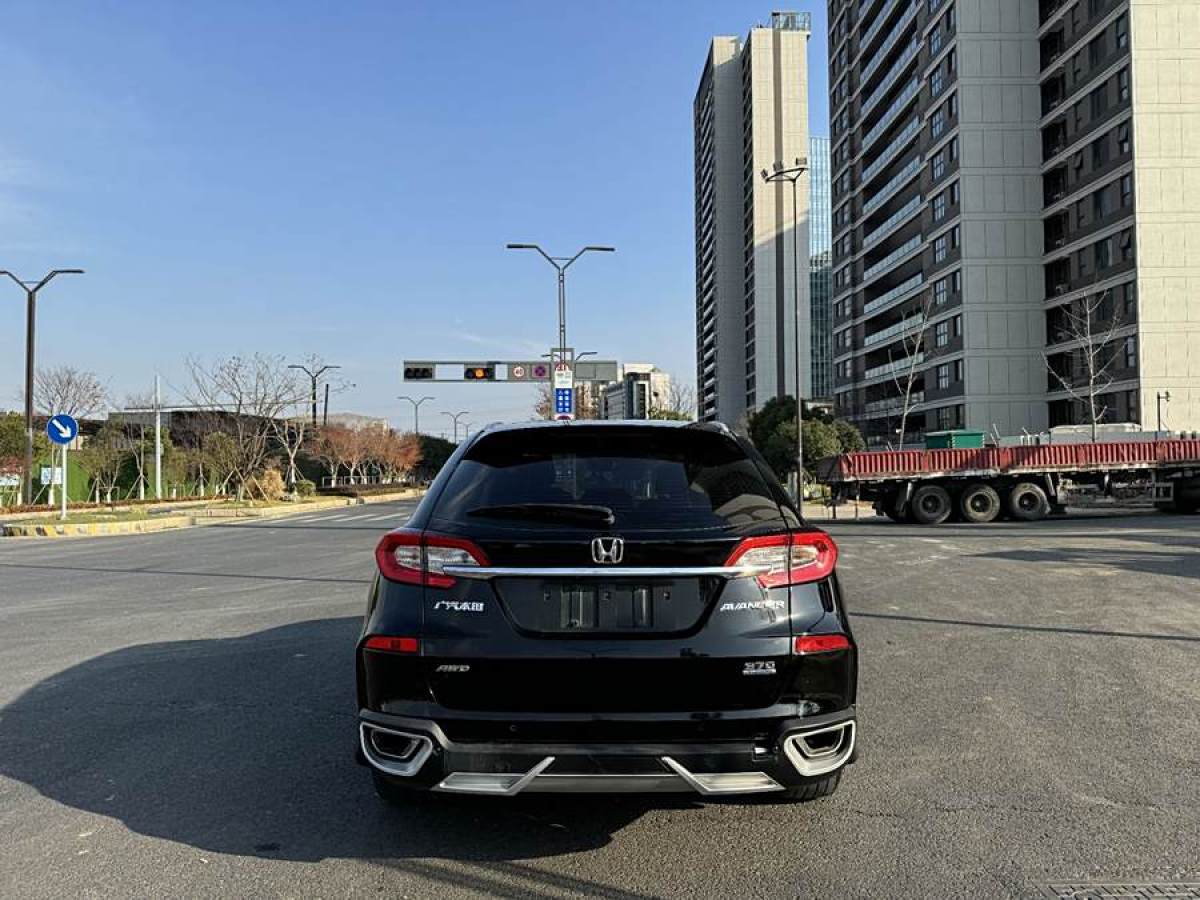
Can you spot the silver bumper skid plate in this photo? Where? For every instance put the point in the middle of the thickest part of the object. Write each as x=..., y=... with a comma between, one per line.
x=536, y=781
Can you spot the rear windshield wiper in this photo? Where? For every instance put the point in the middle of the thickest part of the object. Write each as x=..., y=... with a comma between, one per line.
x=579, y=512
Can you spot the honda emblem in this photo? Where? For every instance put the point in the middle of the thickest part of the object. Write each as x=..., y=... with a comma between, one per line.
x=609, y=550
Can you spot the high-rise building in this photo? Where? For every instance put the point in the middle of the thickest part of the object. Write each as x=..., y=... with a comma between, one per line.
x=820, y=273
x=1011, y=190
x=750, y=112
x=1120, y=149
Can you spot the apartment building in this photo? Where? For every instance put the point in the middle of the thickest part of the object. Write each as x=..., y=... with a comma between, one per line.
x=641, y=389
x=820, y=267
x=750, y=112
x=986, y=162
x=1120, y=141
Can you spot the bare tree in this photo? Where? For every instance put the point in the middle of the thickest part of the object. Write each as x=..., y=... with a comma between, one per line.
x=220, y=455
x=679, y=403
x=102, y=458
x=291, y=434
x=1084, y=323
x=65, y=389
x=913, y=344
x=333, y=447
x=395, y=455
x=249, y=392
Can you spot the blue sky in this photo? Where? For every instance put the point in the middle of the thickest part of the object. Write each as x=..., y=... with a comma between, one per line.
x=341, y=178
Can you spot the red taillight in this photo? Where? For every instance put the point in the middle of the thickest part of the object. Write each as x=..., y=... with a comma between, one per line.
x=820, y=643
x=390, y=644
x=790, y=559
x=407, y=556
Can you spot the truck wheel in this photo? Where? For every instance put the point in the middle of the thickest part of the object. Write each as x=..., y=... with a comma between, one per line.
x=930, y=504
x=980, y=503
x=1028, y=503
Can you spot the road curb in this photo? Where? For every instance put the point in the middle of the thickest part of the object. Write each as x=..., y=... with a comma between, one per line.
x=191, y=520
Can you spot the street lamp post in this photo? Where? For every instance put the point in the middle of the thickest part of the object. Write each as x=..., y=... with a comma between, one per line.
x=1160, y=397
x=31, y=289
x=793, y=173
x=455, y=417
x=314, y=376
x=561, y=264
x=416, y=411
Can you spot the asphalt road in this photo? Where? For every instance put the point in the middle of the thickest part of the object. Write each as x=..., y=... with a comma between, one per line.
x=177, y=719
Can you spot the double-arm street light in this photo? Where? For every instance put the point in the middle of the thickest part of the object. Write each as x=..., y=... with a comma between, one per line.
x=31, y=289
x=456, y=416
x=793, y=174
x=416, y=411
x=314, y=376
x=561, y=264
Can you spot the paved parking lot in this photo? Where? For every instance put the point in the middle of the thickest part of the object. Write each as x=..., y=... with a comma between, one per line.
x=177, y=718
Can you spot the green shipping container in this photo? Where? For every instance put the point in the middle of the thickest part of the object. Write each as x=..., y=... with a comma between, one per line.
x=954, y=440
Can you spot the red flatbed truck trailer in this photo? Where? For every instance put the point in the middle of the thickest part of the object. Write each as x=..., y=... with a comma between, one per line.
x=1024, y=482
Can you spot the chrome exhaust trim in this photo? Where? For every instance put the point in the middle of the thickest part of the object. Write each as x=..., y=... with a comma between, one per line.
x=810, y=760
x=679, y=779
x=406, y=764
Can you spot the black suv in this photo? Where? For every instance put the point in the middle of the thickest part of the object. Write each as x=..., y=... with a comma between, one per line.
x=606, y=607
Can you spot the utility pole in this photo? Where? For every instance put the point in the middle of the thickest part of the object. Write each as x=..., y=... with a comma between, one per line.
x=314, y=376
x=793, y=173
x=455, y=417
x=157, y=441
x=416, y=411
x=31, y=289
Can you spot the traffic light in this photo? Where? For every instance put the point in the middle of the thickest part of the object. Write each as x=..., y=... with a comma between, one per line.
x=480, y=373
x=418, y=373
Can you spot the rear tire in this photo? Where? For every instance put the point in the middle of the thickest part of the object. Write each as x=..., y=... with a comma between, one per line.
x=1028, y=503
x=814, y=788
x=931, y=504
x=391, y=793
x=980, y=504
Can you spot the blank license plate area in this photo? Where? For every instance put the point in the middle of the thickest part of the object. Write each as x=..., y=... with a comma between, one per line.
x=618, y=606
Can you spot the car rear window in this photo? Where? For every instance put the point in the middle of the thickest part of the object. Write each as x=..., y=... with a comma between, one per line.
x=650, y=478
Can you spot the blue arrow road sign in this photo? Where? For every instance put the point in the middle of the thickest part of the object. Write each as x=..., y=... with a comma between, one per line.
x=562, y=400
x=62, y=428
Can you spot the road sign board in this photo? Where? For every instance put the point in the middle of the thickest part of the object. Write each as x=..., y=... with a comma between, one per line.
x=564, y=377
x=541, y=370
x=564, y=403
x=517, y=372
x=62, y=428
x=51, y=475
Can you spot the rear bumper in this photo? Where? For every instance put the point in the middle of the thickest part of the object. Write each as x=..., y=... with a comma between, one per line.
x=418, y=753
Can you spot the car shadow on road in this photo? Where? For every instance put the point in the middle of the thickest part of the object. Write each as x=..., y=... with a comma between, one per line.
x=245, y=746
x=1181, y=563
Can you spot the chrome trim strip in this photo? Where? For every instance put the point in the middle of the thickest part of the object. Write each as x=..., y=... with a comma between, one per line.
x=391, y=767
x=501, y=784
x=725, y=782
x=486, y=572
